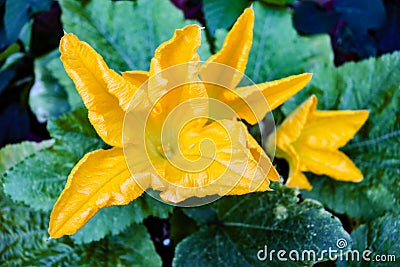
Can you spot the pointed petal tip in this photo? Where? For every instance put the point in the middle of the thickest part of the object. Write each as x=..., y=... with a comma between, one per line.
x=273, y=175
x=364, y=114
x=248, y=14
x=313, y=98
x=67, y=41
x=312, y=102
x=248, y=11
x=307, y=75
x=192, y=27
x=68, y=36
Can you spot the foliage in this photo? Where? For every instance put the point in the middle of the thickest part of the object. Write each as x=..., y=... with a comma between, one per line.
x=288, y=52
x=379, y=236
x=358, y=29
x=220, y=15
x=233, y=229
x=239, y=228
x=374, y=85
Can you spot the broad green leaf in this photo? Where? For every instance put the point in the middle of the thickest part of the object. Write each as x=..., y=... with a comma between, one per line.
x=15, y=17
x=372, y=84
x=24, y=242
x=56, y=68
x=246, y=224
x=221, y=13
x=47, y=97
x=125, y=34
x=133, y=247
x=54, y=92
x=21, y=230
x=12, y=154
x=278, y=50
x=44, y=174
x=176, y=221
x=379, y=239
x=203, y=214
x=38, y=180
x=17, y=14
x=113, y=220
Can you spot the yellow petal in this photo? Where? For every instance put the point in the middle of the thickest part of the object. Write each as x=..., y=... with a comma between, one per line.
x=295, y=178
x=136, y=77
x=298, y=180
x=277, y=92
x=213, y=160
x=234, y=52
x=181, y=48
x=100, y=179
x=259, y=155
x=332, y=129
x=101, y=89
x=293, y=125
x=253, y=102
x=329, y=162
x=176, y=64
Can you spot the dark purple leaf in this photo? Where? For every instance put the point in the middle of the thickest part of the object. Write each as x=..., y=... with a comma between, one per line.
x=192, y=9
x=46, y=31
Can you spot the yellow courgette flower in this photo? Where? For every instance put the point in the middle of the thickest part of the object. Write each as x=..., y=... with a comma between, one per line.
x=246, y=101
x=309, y=140
x=103, y=178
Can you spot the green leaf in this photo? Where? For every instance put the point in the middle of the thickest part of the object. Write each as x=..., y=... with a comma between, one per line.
x=125, y=34
x=11, y=49
x=11, y=61
x=113, y=220
x=135, y=248
x=177, y=220
x=278, y=51
x=24, y=242
x=12, y=154
x=47, y=97
x=221, y=13
x=374, y=85
x=38, y=180
x=44, y=174
x=21, y=230
x=56, y=68
x=202, y=215
x=17, y=14
x=381, y=238
x=246, y=224
x=54, y=84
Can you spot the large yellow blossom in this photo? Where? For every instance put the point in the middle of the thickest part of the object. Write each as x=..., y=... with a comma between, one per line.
x=309, y=140
x=102, y=178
